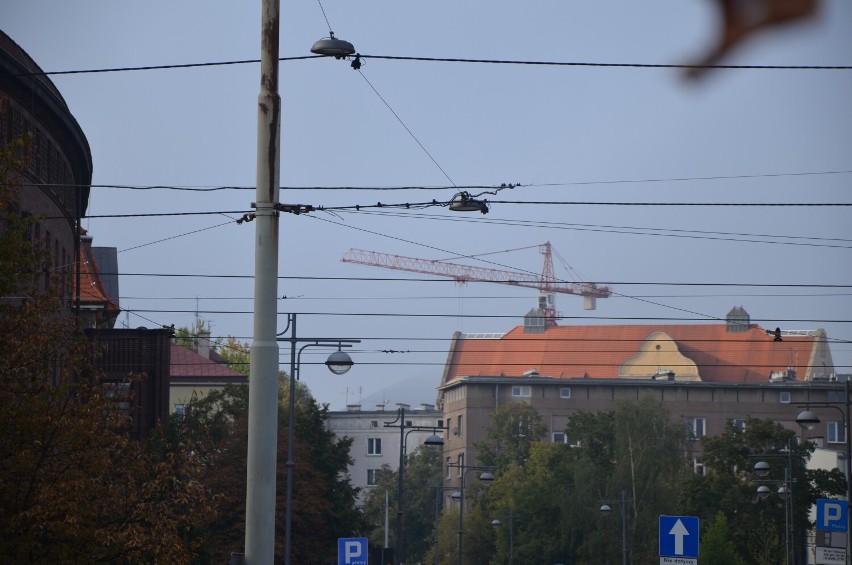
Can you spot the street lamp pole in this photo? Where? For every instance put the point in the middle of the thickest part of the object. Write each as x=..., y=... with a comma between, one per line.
x=605, y=508
x=485, y=476
x=496, y=523
x=786, y=491
x=809, y=419
x=338, y=363
x=433, y=441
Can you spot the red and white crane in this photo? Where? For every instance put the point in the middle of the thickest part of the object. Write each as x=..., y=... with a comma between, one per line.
x=546, y=283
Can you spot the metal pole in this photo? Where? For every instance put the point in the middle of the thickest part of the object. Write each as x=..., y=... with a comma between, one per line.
x=787, y=514
x=399, y=487
x=461, y=514
x=263, y=387
x=291, y=440
x=438, y=491
x=623, y=527
x=848, y=467
x=511, y=538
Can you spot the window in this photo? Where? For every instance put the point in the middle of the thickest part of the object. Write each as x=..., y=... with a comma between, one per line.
x=698, y=467
x=180, y=409
x=836, y=432
x=460, y=462
x=449, y=469
x=784, y=397
x=374, y=423
x=739, y=424
x=440, y=424
x=408, y=423
x=459, y=430
x=374, y=446
x=836, y=396
x=565, y=392
x=696, y=426
x=522, y=391
x=560, y=437
x=372, y=477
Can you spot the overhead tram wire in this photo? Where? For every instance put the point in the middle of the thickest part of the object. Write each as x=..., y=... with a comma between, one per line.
x=191, y=188
x=709, y=235
x=445, y=60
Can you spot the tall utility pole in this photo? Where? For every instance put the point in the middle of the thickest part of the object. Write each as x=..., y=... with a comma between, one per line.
x=263, y=379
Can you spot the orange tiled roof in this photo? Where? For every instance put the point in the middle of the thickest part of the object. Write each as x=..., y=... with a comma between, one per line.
x=601, y=351
x=91, y=286
x=187, y=363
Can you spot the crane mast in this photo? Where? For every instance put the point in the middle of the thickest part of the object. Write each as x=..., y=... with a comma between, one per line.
x=546, y=283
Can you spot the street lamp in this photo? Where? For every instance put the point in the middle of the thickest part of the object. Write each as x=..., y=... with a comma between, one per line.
x=338, y=363
x=438, y=490
x=808, y=419
x=496, y=523
x=433, y=440
x=485, y=476
x=785, y=491
x=606, y=509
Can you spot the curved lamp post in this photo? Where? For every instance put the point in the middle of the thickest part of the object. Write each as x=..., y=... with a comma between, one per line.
x=606, y=509
x=496, y=523
x=785, y=491
x=808, y=419
x=338, y=363
x=433, y=440
x=485, y=476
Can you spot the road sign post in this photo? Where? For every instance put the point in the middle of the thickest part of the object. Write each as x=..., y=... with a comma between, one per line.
x=678, y=540
x=832, y=527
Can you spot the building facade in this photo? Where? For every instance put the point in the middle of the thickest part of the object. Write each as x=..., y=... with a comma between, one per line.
x=705, y=375
x=374, y=444
x=55, y=170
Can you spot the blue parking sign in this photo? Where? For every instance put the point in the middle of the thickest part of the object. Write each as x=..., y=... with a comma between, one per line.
x=678, y=536
x=352, y=551
x=832, y=515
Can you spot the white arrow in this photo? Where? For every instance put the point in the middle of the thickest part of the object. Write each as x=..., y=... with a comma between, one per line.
x=679, y=531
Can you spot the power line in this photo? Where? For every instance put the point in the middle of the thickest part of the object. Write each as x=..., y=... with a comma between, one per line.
x=439, y=187
x=447, y=60
x=612, y=65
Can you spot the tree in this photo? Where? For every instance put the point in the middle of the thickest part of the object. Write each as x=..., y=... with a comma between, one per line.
x=730, y=483
x=422, y=476
x=324, y=498
x=513, y=429
x=716, y=547
x=73, y=486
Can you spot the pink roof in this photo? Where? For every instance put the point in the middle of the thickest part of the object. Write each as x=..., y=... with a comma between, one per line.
x=187, y=363
x=600, y=351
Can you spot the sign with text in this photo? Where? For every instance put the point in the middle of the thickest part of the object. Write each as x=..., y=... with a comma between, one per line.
x=678, y=560
x=830, y=556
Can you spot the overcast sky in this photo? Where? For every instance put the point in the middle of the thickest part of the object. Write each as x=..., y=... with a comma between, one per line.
x=600, y=134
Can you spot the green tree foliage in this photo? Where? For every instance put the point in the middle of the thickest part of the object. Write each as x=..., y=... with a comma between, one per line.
x=513, y=428
x=716, y=546
x=730, y=485
x=324, y=498
x=422, y=475
x=556, y=494
x=73, y=487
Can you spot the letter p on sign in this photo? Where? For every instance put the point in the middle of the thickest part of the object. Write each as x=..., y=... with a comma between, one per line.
x=832, y=515
x=352, y=551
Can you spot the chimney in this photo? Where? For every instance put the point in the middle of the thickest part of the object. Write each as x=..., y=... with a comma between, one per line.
x=353, y=407
x=380, y=407
x=203, y=341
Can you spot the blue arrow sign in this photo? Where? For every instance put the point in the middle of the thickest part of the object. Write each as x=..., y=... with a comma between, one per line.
x=678, y=536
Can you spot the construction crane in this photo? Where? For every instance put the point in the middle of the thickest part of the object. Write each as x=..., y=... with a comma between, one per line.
x=546, y=283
